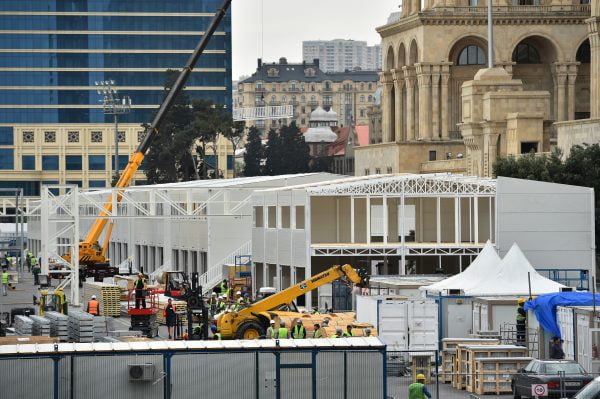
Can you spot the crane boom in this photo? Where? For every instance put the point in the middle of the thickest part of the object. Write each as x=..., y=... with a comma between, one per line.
x=358, y=278
x=88, y=249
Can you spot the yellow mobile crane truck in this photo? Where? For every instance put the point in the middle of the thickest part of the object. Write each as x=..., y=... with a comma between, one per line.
x=92, y=257
x=252, y=322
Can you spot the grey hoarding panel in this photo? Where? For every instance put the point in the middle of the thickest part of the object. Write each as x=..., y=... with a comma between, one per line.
x=330, y=375
x=27, y=378
x=365, y=375
x=296, y=383
x=266, y=376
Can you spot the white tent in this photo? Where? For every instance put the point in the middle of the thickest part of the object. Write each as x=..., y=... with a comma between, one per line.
x=510, y=278
x=482, y=267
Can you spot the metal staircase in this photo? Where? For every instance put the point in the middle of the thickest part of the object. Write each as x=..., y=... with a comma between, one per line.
x=214, y=274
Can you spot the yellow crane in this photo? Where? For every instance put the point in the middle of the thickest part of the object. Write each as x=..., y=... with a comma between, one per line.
x=252, y=322
x=92, y=257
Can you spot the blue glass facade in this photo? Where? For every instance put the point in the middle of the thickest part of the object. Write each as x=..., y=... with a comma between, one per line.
x=79, y=42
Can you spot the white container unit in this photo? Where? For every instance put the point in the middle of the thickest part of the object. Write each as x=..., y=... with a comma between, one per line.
x=581, y=336
x=403, y=324
x=564, y=317
x=491, y=313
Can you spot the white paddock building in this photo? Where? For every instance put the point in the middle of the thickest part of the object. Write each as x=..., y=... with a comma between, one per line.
x=418, y=224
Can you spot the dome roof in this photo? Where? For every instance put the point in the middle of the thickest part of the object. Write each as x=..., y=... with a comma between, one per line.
x=332, y=114
x=320, y=134
x=320, y=115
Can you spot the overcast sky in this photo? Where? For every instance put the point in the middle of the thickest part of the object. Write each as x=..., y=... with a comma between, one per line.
x=284, y=24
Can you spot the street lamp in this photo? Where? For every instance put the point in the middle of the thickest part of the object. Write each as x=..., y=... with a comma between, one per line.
x=113, y=105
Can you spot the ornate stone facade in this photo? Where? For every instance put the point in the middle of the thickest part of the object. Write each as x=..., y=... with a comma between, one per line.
x=437, y=45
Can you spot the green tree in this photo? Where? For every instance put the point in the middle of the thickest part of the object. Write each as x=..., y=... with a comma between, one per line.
x=580, y=168
x=286, y=152
x=254, y=154
x=272, y=153
x=235, y=135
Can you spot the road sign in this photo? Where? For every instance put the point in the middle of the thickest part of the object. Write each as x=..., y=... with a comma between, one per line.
x=539, y=390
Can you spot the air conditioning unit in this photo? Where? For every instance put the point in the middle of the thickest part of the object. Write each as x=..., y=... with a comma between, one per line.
x=567, y=289
x=141, y=372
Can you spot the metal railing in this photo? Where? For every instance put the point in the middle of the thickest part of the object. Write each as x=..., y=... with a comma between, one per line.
x=549, y=10
x=576, y=278
x=214, y=274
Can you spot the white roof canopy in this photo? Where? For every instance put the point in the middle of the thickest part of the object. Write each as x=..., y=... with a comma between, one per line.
x=481, y=268
x=511, y=278
x=490, y=276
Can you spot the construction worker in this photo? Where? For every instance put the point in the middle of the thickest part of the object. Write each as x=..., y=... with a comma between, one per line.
x=170, y=317
x=225, y=288
x=36, y=270
x=367, y=332
x=521, y=321
x=315, y=310
x=222, y=304
x=247, y=299
x=213, y=303
x=93, y=306
x=418, y=390
x=299, y=332
x=318, y=331
x=348, y=332
x=326, y=322
x=282, y=332
x=271, y=330
x=216, y=333
x=140, y=286
x=4, y=282
x=338, y=333
x=239, y=302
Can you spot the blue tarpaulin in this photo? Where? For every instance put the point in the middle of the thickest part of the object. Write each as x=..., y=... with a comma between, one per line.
x=544, y=307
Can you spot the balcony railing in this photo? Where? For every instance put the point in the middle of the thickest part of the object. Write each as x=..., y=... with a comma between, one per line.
x=260, y=90
x=550, y=10
x=313, y=103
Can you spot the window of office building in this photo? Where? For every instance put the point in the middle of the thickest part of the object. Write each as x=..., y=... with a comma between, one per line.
x=123, y=159
x=96, y=162
x=96, y=184
x=73, y=162
x=28, y=162
x=6, y=136
x=49, y=162
x=7, y=160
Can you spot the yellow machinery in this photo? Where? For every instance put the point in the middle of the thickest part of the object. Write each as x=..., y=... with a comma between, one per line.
x=92, y=257
x=54, y=301
x=253, y=321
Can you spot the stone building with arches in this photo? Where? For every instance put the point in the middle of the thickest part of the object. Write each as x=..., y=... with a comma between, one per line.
x=438, y=45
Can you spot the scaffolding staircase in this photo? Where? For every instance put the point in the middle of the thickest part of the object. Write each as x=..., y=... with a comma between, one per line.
x=214, y=274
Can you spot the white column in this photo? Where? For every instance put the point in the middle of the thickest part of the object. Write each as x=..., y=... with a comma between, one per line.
x=438, y=217
x=352, y=219
x=385, y=220
x=368, y=201
x=337, y=219
x=476, y=219
x=308, y=268
x=456, y=220
x=402, y=241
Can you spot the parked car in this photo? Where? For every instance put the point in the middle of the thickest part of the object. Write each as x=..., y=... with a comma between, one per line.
x=548, y=372
x=590, y=391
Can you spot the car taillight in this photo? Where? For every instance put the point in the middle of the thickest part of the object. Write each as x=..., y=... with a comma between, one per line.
x=553, y=384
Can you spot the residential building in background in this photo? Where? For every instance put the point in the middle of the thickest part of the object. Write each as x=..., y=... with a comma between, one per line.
x=431, y=124
x=305, y=86
x=341, y=55
x=52, y=125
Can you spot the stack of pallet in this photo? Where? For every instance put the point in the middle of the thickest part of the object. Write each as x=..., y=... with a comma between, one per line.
x=493, y=375
x=81, y=326
x=41, y=326
x=59, y=325
x=108, y=295
x=23, y=325
x=450, y=364
x=470, y=354
x=180, y=309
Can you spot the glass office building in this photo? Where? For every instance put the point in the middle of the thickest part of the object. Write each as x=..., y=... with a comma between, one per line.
x=53, y=51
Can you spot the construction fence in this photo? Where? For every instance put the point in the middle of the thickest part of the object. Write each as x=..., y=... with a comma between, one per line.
x=103, y=371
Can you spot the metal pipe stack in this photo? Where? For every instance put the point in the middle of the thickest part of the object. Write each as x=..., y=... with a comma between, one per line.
x=81, y=326
x=59, y=325
x=23, y=325
x=41, y=326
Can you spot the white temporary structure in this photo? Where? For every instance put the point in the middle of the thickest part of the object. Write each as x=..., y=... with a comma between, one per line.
x=512, y=278
x=485, y=265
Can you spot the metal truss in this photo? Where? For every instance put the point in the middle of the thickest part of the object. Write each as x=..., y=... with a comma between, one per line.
x=263, y=113
x=375, y=250
x=60, y=233
x=409, y=186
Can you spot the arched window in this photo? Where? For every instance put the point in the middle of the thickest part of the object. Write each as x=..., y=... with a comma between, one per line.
x=525, y=53
x=303, y=98
x=370, y=86
x=370, y=98
x=471, y=55
x=362, y=99
x=583, y=52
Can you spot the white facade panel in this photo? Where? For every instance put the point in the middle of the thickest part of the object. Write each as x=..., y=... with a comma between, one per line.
x=564, y=318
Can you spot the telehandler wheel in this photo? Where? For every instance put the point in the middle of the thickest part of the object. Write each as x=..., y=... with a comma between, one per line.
x=250, y=330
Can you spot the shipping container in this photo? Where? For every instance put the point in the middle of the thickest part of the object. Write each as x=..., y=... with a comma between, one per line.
x=581, y=335
x=403, y=324
x=491, y=313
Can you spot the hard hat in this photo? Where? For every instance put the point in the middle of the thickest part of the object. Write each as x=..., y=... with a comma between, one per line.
x=272, y=321
x=338, y=330
x=93, y=296
x=520, y=301
x=420, y=377
x=213, y=328
x=282, y=323
x=298, y=321
x=239, y=293
x=246, y=295
x=213, y=294
x=140, y=274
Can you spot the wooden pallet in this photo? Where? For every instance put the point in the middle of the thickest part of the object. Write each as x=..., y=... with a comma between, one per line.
x=457, y=377
x=494, y=375
x=180, y=309
x=452, y=343
x=108, y=295
x=472, y=353
x=448, y=361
